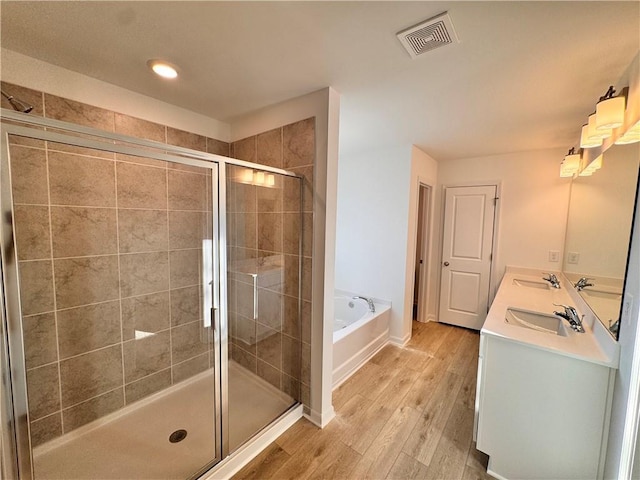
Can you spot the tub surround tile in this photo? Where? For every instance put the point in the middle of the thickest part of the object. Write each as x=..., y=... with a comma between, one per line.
x=186, y=229
x=143, y=273
x=188, y=341
x=245, y=149
x=269, y=199
x=29, y=176
x=81, y=181
x=269, y=148
x=43, y=391
x=191, y=367
x=138, y=128
x=185, y=267
x=80, y=231
x=246, y=198
x=32, y=232
x=146, y=355
x=92, y=409
x=218, y=147
x=187, y=191
x=71, y=111
x=185, y=305
x=82, y=281
x=45, y=429
x=148, y=385
x=142, y=230
x=146, y=313
x=88, y=328
x=141, y=186
x=91, y=374
x=36, y=286
x=299, y=143
x=40, y=345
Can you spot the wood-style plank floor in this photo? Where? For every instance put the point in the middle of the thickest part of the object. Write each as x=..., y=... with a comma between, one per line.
x=406, y=414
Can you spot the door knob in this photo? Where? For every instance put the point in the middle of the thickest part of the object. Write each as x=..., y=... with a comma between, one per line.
x=446, y=264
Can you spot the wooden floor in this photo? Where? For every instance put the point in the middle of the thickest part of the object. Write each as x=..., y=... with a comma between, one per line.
x=408, y=413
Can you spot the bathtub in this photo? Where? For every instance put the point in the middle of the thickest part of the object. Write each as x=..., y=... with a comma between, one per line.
x=357, y=333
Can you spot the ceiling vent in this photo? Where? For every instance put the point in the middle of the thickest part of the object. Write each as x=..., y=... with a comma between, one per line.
x=424, y=37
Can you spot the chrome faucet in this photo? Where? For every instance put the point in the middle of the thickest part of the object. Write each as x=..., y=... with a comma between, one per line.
x=372, y=307
x=571, y=315
x=582, y=283
x=553, y=280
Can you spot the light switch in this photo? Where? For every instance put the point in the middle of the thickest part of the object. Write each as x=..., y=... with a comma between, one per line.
x=573, y=258
x=554, y=256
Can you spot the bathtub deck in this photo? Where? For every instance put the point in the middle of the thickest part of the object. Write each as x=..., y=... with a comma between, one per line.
x=136, y=444
x=408, y=413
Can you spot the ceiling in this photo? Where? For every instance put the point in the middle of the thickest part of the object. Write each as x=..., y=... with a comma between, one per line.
x=524, y=77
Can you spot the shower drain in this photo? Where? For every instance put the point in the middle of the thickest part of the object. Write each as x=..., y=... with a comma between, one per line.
x=178, y=436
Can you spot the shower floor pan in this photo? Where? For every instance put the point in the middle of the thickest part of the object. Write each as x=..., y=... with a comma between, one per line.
x=134, y=442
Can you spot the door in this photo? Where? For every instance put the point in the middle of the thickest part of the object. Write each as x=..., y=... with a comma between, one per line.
x=469, y=214
x=420, y=289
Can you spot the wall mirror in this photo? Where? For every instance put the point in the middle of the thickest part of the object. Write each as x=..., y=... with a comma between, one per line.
x=598, y=234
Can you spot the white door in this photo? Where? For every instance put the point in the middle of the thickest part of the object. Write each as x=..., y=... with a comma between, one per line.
x=466, y=255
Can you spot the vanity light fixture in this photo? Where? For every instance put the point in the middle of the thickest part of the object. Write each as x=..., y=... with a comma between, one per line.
x=571, y=164
x=256, y=178
x=630, y=136
x=592, y=127
x=586, y=141
x=163, y=69
x=610, y=111
x=592, y=167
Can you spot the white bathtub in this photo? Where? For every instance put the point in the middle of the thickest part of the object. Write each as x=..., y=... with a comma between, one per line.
x=357, y=333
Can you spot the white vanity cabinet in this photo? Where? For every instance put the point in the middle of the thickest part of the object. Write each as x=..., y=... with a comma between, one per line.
x=540, y=415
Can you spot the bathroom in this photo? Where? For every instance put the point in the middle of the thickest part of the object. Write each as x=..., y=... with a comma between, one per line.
x=352, y=230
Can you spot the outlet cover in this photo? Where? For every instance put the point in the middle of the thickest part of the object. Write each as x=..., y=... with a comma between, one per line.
x=573, y=258
x=554, y=256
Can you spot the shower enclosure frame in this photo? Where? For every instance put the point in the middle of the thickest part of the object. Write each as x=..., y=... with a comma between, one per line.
x=15, y=449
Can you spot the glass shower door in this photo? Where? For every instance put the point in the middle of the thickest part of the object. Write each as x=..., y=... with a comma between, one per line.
x=114, y=268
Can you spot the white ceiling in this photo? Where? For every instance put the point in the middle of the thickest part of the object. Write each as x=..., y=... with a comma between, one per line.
x=524, y=77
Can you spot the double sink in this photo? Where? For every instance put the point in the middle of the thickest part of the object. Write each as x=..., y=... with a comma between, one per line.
x=540, y=322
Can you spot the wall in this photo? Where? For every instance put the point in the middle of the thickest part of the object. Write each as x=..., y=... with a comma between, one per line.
x=532, y=207
x=376, y=227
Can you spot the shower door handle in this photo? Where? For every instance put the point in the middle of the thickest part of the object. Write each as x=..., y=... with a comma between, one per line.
x=255, y=296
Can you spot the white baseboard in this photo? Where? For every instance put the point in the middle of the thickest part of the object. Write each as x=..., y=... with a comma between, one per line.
x=247, y=452
x=353, y=364
x=400, y=342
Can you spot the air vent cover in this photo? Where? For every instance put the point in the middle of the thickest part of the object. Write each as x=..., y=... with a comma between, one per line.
x=424, y=37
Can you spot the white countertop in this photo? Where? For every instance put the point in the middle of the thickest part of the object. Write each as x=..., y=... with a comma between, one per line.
x=585, y=346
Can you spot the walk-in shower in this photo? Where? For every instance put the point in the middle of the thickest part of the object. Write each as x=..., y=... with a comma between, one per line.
x=147, y=295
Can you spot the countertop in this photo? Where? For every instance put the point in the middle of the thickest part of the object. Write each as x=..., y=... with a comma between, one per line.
x=585, y=346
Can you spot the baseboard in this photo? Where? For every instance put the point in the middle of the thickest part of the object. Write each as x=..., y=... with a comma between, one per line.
x=353, y=364
x=321, y=419
x=400, y=342
x=247, y=452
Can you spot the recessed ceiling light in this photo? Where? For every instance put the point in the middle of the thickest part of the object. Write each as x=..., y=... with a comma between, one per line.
x=163, y=69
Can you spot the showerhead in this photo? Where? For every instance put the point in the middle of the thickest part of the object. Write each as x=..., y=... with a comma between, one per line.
x=17, y=104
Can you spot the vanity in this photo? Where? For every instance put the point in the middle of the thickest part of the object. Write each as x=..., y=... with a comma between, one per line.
x=544, y=390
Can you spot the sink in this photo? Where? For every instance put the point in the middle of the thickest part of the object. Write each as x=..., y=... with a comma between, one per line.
x=540, y=322
x=613, y=295
x=531, y=284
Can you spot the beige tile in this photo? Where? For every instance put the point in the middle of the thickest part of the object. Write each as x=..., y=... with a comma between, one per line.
x=292, y=233
x=269, y=148
x=306, y=321
x=290, y=386
x=79, y=231
x=141, y=160
x=245, y=299
x=138, y=128
x=187, y=191
x=269, y=373
x=92, y=409
x=291, y=194
x=244, y=333
x=36, y=286
x=307, y=187
x=25, y=141
x=141, y=186
x=291, y=275
x=270, y=232
x=142, y=273
x=270, y=308
x=291, y=352
x=188, y=341
x=87, y=328
x=217, y=147
x=32, y=232
x=146, y=386
x=246, y=230
x=186, y=229
x=299, y=143
x=191, y=367
x=269, y=199
x=29, y=175
x=82, y=181
x=184, y=139
x=142, y=230
x=307, y=234
x=186, y=306
x=43, y=391
x=90, y=374
x=245, y=149
x=81, y=281
x=306, y=278
x=305, y=367
x=40, y=345
x=73, y=149
x=185, y=268
x=146, y=355
x=79, y=113
x=244, y=359
x=269, y=347
x=246, y=198
x=146, y=313
x=45, y=429
x=25, y=95
x=291, y=317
